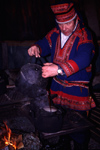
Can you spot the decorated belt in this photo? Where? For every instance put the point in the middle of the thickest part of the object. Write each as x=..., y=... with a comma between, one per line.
x=65, y=83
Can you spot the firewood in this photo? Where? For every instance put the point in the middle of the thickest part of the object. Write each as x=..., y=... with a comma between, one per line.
x=18, y=139
x=20, y=145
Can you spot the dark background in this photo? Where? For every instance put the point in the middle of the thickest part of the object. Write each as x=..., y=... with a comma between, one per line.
x=25, y=19
x=22, y=22
x=32, y=19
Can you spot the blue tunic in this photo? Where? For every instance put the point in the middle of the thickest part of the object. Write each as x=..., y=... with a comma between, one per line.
x=75, y=59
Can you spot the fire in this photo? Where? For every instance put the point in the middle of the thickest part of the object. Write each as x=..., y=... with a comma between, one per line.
x=10, y=139
x=7, y=139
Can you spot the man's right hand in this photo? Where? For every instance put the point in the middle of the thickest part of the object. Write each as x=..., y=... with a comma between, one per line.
x=34, y=50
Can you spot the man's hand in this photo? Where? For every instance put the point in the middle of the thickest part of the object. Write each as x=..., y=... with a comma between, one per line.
x=49, y=70
x=34, y=50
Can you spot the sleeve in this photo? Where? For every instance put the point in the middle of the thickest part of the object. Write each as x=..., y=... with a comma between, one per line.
x=81, y=60
x=44, y=47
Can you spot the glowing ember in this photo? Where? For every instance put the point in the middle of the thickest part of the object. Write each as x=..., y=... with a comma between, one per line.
x=10, y=139
x=7, y=139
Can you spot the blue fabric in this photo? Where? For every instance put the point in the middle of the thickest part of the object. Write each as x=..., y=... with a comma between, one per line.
x=73, y=90
x=83, y=57
x=81, y=54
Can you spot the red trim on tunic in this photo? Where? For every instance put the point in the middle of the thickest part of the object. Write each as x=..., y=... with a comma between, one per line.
x=82, y=34
x=61, y=56
x=72, y=66
x=48, y=36
x=73, y=102
x=66, y=83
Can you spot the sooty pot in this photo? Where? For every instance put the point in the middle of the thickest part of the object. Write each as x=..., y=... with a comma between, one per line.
x=48, y=119
x=30, y=79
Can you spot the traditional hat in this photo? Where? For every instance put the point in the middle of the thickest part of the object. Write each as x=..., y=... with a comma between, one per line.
x=64, y=12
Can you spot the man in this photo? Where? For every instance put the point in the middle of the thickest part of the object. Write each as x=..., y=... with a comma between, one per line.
x=71, y=47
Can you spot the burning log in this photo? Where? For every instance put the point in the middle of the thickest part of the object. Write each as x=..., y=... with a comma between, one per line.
x=12, y=140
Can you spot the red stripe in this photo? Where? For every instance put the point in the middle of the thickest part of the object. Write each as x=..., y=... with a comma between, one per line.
x=70, y=97
x=73, y=102
x=71, y=66
x=74, y=65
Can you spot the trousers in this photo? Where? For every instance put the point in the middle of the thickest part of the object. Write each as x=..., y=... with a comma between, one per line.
x=81, y=138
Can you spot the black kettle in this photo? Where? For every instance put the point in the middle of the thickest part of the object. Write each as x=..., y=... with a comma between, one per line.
x=30, y=79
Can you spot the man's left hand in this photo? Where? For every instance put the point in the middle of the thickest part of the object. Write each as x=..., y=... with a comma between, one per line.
x=49, y=70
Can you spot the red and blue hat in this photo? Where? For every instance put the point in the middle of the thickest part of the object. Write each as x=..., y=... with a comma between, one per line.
x=64, y=12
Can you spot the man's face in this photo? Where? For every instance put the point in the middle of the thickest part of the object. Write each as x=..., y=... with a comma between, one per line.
x=67, y=28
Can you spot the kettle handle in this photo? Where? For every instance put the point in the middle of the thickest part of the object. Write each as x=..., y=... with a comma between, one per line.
x=36, y=60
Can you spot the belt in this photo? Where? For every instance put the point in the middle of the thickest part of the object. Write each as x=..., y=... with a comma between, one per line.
x=66, y=83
